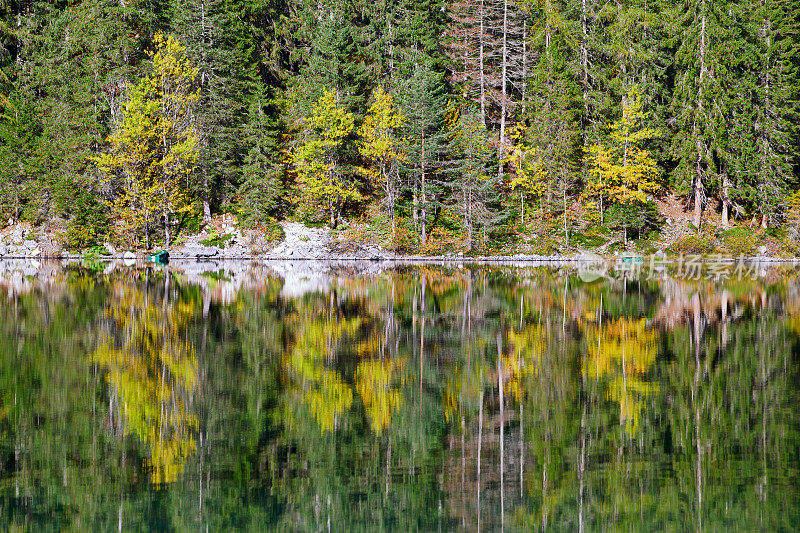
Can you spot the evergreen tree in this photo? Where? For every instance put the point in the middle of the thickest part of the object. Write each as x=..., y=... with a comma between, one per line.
x=422, y=101
x=262, y=190
x=701, y=31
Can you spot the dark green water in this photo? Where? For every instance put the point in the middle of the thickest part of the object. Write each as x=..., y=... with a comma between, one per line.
x=416, y=399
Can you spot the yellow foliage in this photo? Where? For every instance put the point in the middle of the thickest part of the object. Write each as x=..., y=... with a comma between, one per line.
x=623, y=350
x=622, y=171
x=528, y=346
x=321, y=175
x=527, y=165
x=374, y=380
x=319, y=388
x=154, y=373
x=155, y=149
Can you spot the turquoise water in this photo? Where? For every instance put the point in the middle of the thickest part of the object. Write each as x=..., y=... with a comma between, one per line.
x=416, y=398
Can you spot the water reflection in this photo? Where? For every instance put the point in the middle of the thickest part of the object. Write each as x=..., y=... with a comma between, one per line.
x=301, y=397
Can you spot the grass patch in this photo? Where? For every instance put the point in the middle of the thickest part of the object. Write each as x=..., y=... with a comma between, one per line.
x=218, y=241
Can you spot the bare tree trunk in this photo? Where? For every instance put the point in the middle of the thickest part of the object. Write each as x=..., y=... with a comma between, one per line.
x=699, y=192
x=424, y=210
x=584, y=52
x=524, y=65
x=504, y=95
x=482, y=74
x=726, y=198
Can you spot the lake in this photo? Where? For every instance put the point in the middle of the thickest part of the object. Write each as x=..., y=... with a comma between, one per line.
x=300, y=397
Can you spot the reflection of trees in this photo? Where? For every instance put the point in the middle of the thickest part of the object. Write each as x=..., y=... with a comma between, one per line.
x=152, y=371
x=318, y=388
x=375, y=404
x=622, y=351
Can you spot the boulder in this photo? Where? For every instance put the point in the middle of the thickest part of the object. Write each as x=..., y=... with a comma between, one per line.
x=3, y=250
x=201, y=251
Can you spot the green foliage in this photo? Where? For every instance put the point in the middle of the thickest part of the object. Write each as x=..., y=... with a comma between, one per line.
x=219, y=241
x=697, y=244
x=637, y=220
x=89, y=222
x=739, y=241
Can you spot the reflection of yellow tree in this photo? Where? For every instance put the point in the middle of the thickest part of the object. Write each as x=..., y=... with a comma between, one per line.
x=623, y=351
x=374, y=379
x=527, y=348
x=154, y=372
x=321, y=390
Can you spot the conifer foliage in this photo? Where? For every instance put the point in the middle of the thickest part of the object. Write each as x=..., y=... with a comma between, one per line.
x=479, y=119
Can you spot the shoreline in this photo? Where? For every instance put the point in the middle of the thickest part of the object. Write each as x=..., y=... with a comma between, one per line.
x=589, y=257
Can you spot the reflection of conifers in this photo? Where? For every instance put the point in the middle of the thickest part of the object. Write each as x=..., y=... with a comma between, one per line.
x=153, y=371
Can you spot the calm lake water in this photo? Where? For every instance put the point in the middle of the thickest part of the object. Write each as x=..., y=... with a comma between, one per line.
x=427, y=398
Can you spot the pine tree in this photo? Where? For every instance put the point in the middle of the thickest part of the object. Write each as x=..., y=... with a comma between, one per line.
x=702, y=30
x=474, y=187
x=775, y=118
x=422, y=101
x=554, y=104
x=262, y=190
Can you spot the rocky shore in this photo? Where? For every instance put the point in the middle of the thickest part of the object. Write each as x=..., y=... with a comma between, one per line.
x=300, y=243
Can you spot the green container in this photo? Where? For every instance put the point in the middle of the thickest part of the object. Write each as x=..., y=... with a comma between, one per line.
x=160, y=258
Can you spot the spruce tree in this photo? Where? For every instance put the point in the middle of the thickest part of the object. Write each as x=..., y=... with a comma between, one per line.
x=701, y=31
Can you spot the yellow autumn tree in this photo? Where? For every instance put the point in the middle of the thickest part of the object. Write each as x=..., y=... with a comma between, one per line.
x=382, y=148
x=526, y=165
x=621, y=170
x=322, y=175
x=154, y=150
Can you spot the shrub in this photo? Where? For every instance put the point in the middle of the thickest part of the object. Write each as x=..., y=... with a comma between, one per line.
x=218, y=241
x=441, y=241
x=739, y=241
x=544, y=245
x=692, y=245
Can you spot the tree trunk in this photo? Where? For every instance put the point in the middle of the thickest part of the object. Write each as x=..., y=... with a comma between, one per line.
x=698, y=178
x=423, y=211
x=504, y=95
x=481, y=57
x=166, y=229
x=726, y=199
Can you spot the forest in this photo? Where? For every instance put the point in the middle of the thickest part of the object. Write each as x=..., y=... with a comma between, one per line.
x=430, y=126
